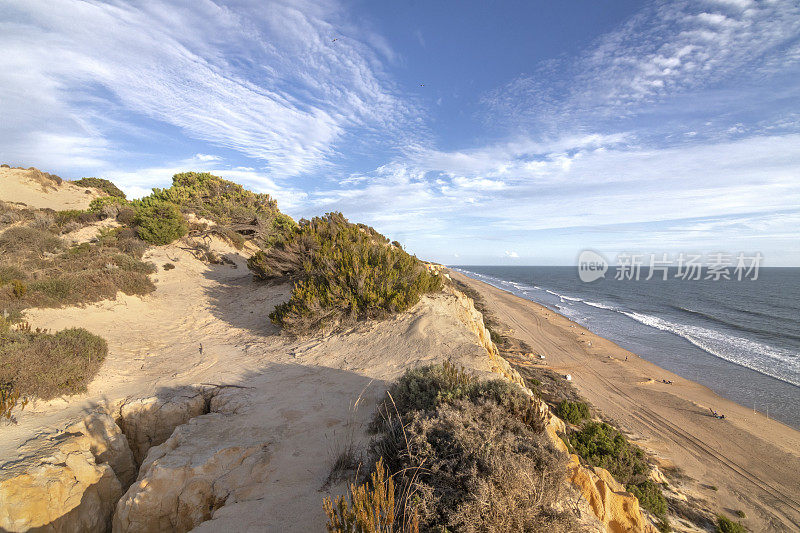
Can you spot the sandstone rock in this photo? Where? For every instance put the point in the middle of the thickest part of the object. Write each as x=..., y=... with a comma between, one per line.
x=68, y=491
x=100, y=435
x=150, y=421
x=183, y=481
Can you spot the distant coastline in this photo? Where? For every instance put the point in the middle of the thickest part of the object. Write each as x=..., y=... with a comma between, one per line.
x=654, y=337
x=743, y=461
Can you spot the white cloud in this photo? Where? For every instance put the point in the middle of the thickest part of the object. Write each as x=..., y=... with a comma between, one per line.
x=511, y=254
x=261, y=78
x=619, y=185
x=207, y=157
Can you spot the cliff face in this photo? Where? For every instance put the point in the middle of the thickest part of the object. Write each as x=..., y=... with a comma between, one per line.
x=615, y=508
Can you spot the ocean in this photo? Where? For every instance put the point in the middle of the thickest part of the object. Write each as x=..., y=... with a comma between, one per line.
x=739, y=338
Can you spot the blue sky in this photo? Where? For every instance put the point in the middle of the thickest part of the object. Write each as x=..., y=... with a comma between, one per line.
x=472, y=132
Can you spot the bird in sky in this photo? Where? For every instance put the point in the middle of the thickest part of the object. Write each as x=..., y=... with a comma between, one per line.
x=422, y=85
x=336, y=39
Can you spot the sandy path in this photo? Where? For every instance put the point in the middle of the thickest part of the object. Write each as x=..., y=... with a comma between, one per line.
x=753, y=460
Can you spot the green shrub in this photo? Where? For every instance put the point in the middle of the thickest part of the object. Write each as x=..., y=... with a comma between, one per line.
x=77, y=216
x=45, y=365
x=103, y=204
x=346, y=272
x=602, y=445
x=215, y=198
x=102, y=184
x=650, y=497
x=168, y=266
x=158, y=222
x=573, y=412
x=740, y=513
x=726, y=525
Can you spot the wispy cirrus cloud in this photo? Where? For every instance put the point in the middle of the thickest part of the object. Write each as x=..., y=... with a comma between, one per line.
x=668, y=49
x=264, y=79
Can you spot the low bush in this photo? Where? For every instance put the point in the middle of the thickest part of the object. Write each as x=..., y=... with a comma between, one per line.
x=602, y=445
x=108, y=205
x=158, y=222
x=573, y=412
x=217, y=199
x=102, y=184
x=726, y=525
x=650, y=497
x=468, y=455
x=346, y=272
x=73, y=218
x=22, y=240
x=45, y=365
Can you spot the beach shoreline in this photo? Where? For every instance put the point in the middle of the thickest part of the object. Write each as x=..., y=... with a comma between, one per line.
x=752, y=460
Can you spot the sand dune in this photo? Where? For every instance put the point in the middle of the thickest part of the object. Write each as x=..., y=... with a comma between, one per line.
x=34, y=189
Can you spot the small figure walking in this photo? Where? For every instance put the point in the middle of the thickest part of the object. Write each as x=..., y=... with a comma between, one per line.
x=201, y=348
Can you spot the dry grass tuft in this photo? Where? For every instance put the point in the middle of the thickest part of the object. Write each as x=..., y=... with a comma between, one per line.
x=468, y=455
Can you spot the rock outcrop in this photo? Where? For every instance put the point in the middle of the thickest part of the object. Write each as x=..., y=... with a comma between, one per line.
x=75, y=479
x=148, y=422
x=74, y=482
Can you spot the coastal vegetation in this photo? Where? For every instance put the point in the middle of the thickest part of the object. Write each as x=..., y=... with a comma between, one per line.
x=462, y=454
x=573, y=412
x=726, y=525
x=342, y=272
x=103, y=184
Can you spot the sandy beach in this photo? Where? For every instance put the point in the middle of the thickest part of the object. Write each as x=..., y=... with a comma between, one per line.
x=752, y=461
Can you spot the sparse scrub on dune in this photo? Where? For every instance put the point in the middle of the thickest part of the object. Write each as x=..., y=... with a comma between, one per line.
x=344, y=272
x=37, y=363
x=466, y=454
x=103, y=184
x=23, y=240
x=37, y=269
